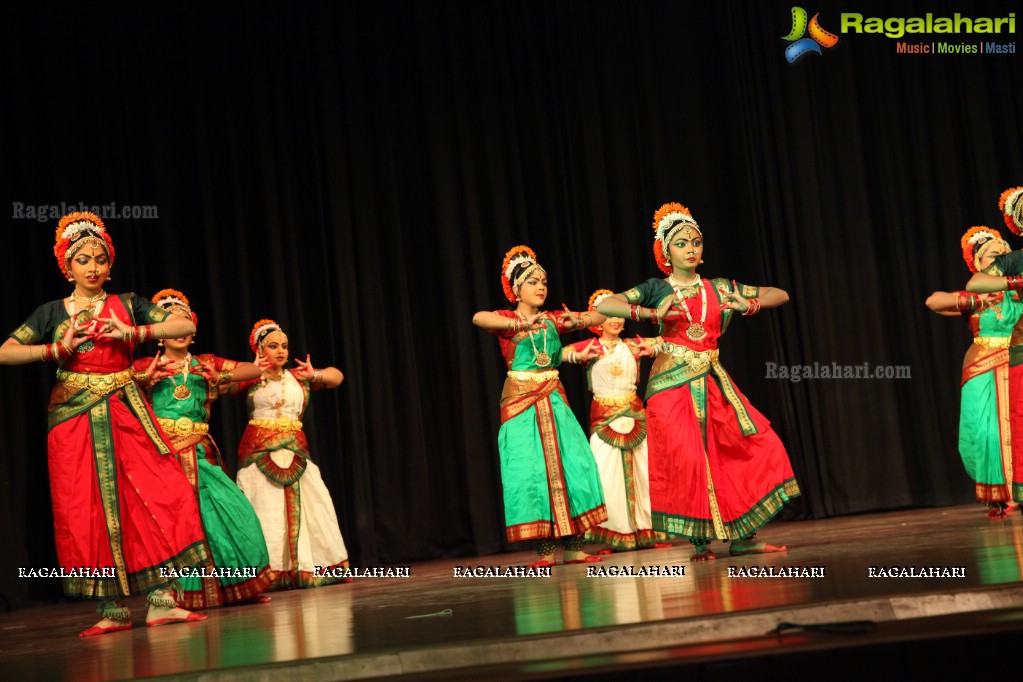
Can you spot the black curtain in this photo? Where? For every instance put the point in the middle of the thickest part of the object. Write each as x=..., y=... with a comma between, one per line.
x=357, y=171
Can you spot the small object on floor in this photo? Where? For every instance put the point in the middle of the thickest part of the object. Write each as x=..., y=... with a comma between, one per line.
x=445, y=612
x=606, y=550
x=542, y=562
x=588, y=559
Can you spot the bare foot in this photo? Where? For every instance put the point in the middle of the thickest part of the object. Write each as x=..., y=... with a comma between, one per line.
x=161, y=615
x=104, y=626
x=581, y=557
x=546, y=561
x=744, y=547
x=703, y=554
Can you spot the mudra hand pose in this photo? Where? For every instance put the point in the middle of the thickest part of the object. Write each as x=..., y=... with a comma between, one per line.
x=717, y=469
x=618, y=435
x=181, y=387
x=276, y=473
x=121, y=505
x=552, y=489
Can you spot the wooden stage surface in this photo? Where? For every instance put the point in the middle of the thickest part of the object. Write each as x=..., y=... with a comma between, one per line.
x=433, y=625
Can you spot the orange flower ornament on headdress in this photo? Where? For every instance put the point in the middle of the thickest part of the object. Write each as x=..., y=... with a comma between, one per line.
x=1011, y=206
x=974, y=239
x=74, y=231
x=260, y=330
x=176, y=302
x=516, y=256
x=669, y=219
x=595, y=299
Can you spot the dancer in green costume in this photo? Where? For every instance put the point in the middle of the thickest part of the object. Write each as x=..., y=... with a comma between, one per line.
x=552, y=488
x=985, y=415
x=182, y=387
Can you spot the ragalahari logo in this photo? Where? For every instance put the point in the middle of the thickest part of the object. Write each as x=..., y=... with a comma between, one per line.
x=800, y=46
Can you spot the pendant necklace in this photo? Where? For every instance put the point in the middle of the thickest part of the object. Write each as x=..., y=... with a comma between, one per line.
x=182, y=392
x=541, y=358
x=696, y=331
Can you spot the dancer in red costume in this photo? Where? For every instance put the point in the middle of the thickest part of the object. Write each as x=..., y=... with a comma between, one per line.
x=122, y=508
x=717, y=469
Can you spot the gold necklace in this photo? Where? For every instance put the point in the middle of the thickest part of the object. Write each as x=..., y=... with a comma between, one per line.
x=695, y=330
x=542, y=359
x=679, y=284
x=182, y=392
x=86, y=315
x=88, y=299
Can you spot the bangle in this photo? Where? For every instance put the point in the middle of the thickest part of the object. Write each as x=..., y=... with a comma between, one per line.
x=965, y=301
x=57, y=351
x=224, y=377
x=1014, y=282
x=318, y=376
x=653, y=317
x=754, y=307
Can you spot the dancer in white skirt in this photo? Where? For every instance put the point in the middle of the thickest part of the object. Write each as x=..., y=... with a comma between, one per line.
x=276, y=474
x=618, y=436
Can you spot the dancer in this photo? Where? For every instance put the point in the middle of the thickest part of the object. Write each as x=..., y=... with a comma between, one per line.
x=1006, y=273
x=124, y=515
x=551, y=484
x=181, y=388
x=275, y=471
x=985, y=428
x=618, y=436
x=717, y=469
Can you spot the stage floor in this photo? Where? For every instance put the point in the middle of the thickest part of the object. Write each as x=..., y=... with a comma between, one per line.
x=433, y=625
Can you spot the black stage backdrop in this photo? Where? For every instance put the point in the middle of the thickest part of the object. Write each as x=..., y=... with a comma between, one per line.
x=357, y=172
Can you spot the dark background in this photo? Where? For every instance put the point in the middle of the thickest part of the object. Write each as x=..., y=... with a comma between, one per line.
x=357, y=172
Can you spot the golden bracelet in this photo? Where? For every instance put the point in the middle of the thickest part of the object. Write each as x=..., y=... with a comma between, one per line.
x=224, y=377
